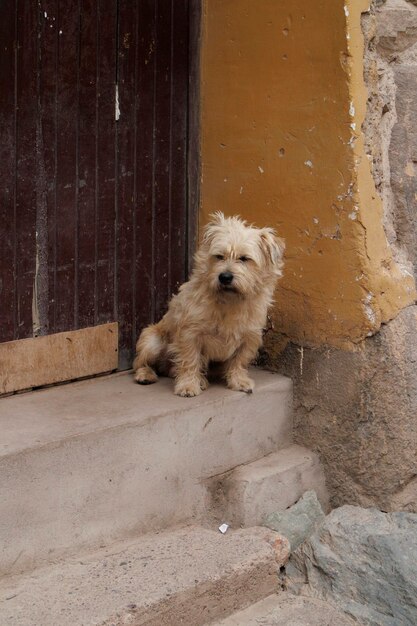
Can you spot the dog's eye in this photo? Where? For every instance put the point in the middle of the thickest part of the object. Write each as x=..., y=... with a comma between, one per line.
x=220, y=257
x=244, y=259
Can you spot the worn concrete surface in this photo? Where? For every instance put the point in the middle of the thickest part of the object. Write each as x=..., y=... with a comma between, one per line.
x=284, y=609
x=246, y=495
x=358, y=410
x=188, y=576
x=107, y=459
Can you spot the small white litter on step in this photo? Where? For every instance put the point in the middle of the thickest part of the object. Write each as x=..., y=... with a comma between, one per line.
x=223, y=528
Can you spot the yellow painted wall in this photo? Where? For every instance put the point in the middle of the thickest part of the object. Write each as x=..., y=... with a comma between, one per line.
x=282, y=102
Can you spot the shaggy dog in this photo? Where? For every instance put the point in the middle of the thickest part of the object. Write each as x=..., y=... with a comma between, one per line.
x=219, y=314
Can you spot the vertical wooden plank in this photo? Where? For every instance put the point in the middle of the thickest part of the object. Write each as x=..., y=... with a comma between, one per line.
x=66, y=177
x=193, y=129
x=162, y=154
x=126, y=175
x=143, y=266
x=106, y=76
x=7, y=170
x=50, y=36
x=178, y=187
x=26, y=123
x=87, y=145
x=46, y=164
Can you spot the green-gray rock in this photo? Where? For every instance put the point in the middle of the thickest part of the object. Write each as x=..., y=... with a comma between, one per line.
x=365, y=562
x=299, y=521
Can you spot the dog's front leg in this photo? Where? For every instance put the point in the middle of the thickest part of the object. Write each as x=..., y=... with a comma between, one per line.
x=237, y=377
x=189, y=368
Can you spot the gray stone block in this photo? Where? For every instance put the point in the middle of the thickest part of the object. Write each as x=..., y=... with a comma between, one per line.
x=365, y=561
x=299, y=521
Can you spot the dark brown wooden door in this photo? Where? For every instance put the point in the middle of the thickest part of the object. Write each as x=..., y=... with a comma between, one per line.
x=96, y=215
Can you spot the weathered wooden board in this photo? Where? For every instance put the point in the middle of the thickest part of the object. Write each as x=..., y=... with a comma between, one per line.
x=28, y=363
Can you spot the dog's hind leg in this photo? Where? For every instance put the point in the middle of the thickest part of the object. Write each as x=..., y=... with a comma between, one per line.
x=149, y=348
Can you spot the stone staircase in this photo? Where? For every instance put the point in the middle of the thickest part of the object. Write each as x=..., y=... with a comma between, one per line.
x=111, y=495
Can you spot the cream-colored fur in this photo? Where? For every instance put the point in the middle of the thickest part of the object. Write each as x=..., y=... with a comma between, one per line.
x=208, y=321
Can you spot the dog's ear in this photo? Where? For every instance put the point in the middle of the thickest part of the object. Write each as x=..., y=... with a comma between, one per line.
x=211, y=228
x=272, y=247
x=216, y=218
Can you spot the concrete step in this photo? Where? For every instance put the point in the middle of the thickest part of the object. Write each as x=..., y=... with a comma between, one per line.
x=189, y=576
x=106, y=459
x=247, y=494
x=284, y=609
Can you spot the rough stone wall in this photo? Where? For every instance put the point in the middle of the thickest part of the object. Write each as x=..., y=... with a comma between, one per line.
x=390, y=29
x=358, y=409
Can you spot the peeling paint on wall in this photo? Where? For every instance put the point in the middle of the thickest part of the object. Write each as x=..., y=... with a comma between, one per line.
x=116, y=103
x=267, y=94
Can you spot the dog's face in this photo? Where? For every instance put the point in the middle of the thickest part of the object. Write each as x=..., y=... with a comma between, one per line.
x=238, y=260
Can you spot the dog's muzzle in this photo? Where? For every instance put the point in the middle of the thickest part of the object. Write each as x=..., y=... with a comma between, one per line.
x=225, y=278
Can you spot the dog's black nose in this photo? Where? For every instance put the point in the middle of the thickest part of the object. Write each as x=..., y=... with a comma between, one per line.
x=226, y=278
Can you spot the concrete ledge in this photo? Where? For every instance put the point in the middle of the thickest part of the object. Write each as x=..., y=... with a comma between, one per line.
x=247, y=494
x=285, y=609
x=92, y=462
x=188, y=576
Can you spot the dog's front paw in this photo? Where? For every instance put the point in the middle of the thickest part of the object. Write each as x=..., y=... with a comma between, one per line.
x=145, y=375
x=240, y=382
x=188, y=388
